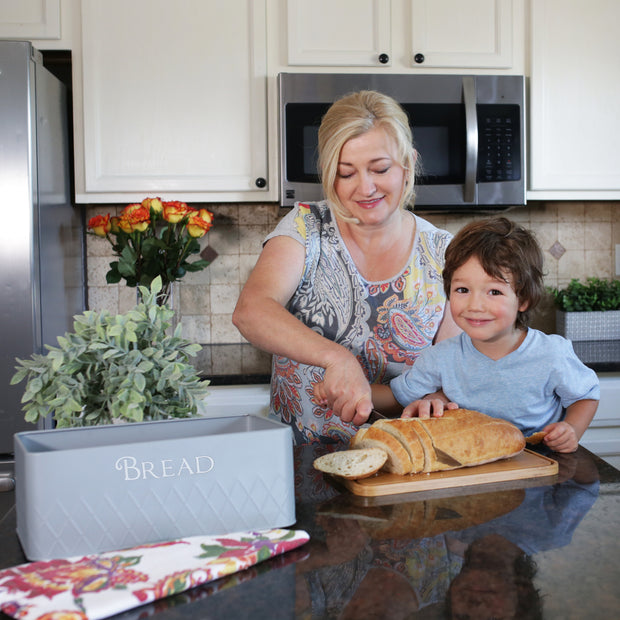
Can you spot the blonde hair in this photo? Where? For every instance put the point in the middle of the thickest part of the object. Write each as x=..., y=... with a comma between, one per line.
x=352, y=116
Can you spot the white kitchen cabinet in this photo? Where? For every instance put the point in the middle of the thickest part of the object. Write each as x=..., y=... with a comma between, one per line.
x=29, y=19
x=173, y=101
x=449, y=33
x=406, y=34
x=603, y=434
x=574, y=94
x=339, y=32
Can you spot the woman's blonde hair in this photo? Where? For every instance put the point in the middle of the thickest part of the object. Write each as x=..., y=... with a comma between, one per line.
x=353, y=116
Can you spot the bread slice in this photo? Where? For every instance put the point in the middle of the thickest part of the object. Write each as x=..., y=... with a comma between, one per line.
x=398, y=459
x=352, y=464
x=433, y=459
x=404, y=430
x=535, y=438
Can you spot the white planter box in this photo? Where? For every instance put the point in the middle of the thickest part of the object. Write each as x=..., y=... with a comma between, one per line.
x=588, y=325
x=95, y=489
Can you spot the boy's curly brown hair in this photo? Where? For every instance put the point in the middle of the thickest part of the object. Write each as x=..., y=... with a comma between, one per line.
x=502, y=247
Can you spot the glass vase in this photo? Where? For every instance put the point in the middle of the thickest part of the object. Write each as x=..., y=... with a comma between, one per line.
x=170, y=295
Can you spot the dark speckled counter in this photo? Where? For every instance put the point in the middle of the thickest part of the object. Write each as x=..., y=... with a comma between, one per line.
x=549, y=544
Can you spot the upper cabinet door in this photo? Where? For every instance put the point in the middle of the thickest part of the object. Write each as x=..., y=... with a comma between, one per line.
x=453, y=33
x=339, y=32
x=29, y=19
x=174, y=101
x=574, y=95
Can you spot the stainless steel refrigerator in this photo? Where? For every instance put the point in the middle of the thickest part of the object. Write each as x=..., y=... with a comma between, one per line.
x=42, y=278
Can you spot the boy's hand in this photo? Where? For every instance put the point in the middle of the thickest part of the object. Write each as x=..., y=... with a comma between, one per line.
x=427, y=407
x=561, y=437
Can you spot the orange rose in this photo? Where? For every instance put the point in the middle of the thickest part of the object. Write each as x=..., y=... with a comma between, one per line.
x=153, y=204
x=100, y=225
x=199, y=223
x=134, y=217
x=175, y=211
x=115, y=225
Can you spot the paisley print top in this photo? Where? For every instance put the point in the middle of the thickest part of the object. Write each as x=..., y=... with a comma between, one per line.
x=385, y=324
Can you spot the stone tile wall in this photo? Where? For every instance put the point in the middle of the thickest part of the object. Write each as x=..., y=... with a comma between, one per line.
x=578, y=239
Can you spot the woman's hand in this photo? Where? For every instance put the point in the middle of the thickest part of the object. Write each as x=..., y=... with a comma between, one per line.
x=345, y=389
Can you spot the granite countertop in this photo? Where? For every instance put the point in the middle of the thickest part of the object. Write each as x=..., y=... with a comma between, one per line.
x=553, y=538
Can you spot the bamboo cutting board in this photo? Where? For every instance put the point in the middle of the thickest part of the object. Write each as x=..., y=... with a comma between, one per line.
x=528, y=464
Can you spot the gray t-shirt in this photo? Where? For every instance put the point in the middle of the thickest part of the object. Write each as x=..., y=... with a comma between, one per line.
x=529, y=387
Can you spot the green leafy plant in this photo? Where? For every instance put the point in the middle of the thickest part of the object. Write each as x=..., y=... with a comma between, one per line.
x=594, y=295
x=115, y=367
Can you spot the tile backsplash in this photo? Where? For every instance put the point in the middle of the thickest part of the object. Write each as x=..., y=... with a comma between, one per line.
x=578, y=239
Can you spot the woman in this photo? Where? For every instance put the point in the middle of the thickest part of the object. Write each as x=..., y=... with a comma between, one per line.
x=348, y=290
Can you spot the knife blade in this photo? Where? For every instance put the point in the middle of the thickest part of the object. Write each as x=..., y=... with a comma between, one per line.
x=376, y=415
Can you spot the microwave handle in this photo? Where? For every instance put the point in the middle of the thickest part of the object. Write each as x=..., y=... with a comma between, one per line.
x=471, y=138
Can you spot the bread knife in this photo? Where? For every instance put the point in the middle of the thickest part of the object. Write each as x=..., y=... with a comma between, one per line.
x=376, y=415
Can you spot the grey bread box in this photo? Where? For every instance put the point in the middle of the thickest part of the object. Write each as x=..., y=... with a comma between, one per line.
x=94, y=489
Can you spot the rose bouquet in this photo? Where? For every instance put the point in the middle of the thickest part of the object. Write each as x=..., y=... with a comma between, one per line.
x=154, y=238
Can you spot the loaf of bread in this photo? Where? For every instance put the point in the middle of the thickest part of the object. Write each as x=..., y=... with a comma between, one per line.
x=472, y=438
x=460, y=438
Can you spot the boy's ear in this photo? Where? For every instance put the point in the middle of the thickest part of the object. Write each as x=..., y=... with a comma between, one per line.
x=524, y=306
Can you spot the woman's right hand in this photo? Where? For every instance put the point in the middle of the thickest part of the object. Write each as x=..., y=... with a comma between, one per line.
x=345, y=389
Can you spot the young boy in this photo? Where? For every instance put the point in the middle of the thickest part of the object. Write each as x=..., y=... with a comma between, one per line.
x=493, y=279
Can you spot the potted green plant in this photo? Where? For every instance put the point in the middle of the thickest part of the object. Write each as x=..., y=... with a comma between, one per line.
x=588, y=311
x=125, y=367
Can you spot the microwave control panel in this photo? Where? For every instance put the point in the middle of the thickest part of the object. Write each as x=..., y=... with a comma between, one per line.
x=499, y=153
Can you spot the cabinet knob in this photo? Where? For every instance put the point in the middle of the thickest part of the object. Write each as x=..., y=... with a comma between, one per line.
x=419, y=58
x=260, y=182
x=384, y=59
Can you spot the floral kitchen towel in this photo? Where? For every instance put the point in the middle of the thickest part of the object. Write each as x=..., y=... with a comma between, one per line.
x=98, y=586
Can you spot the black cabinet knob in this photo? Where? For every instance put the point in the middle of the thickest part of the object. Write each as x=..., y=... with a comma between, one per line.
x=384, y=59
x=260, y=182
x=419, y=58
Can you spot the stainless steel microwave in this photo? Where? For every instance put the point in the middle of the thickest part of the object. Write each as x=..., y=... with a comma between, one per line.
x=469, y=131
